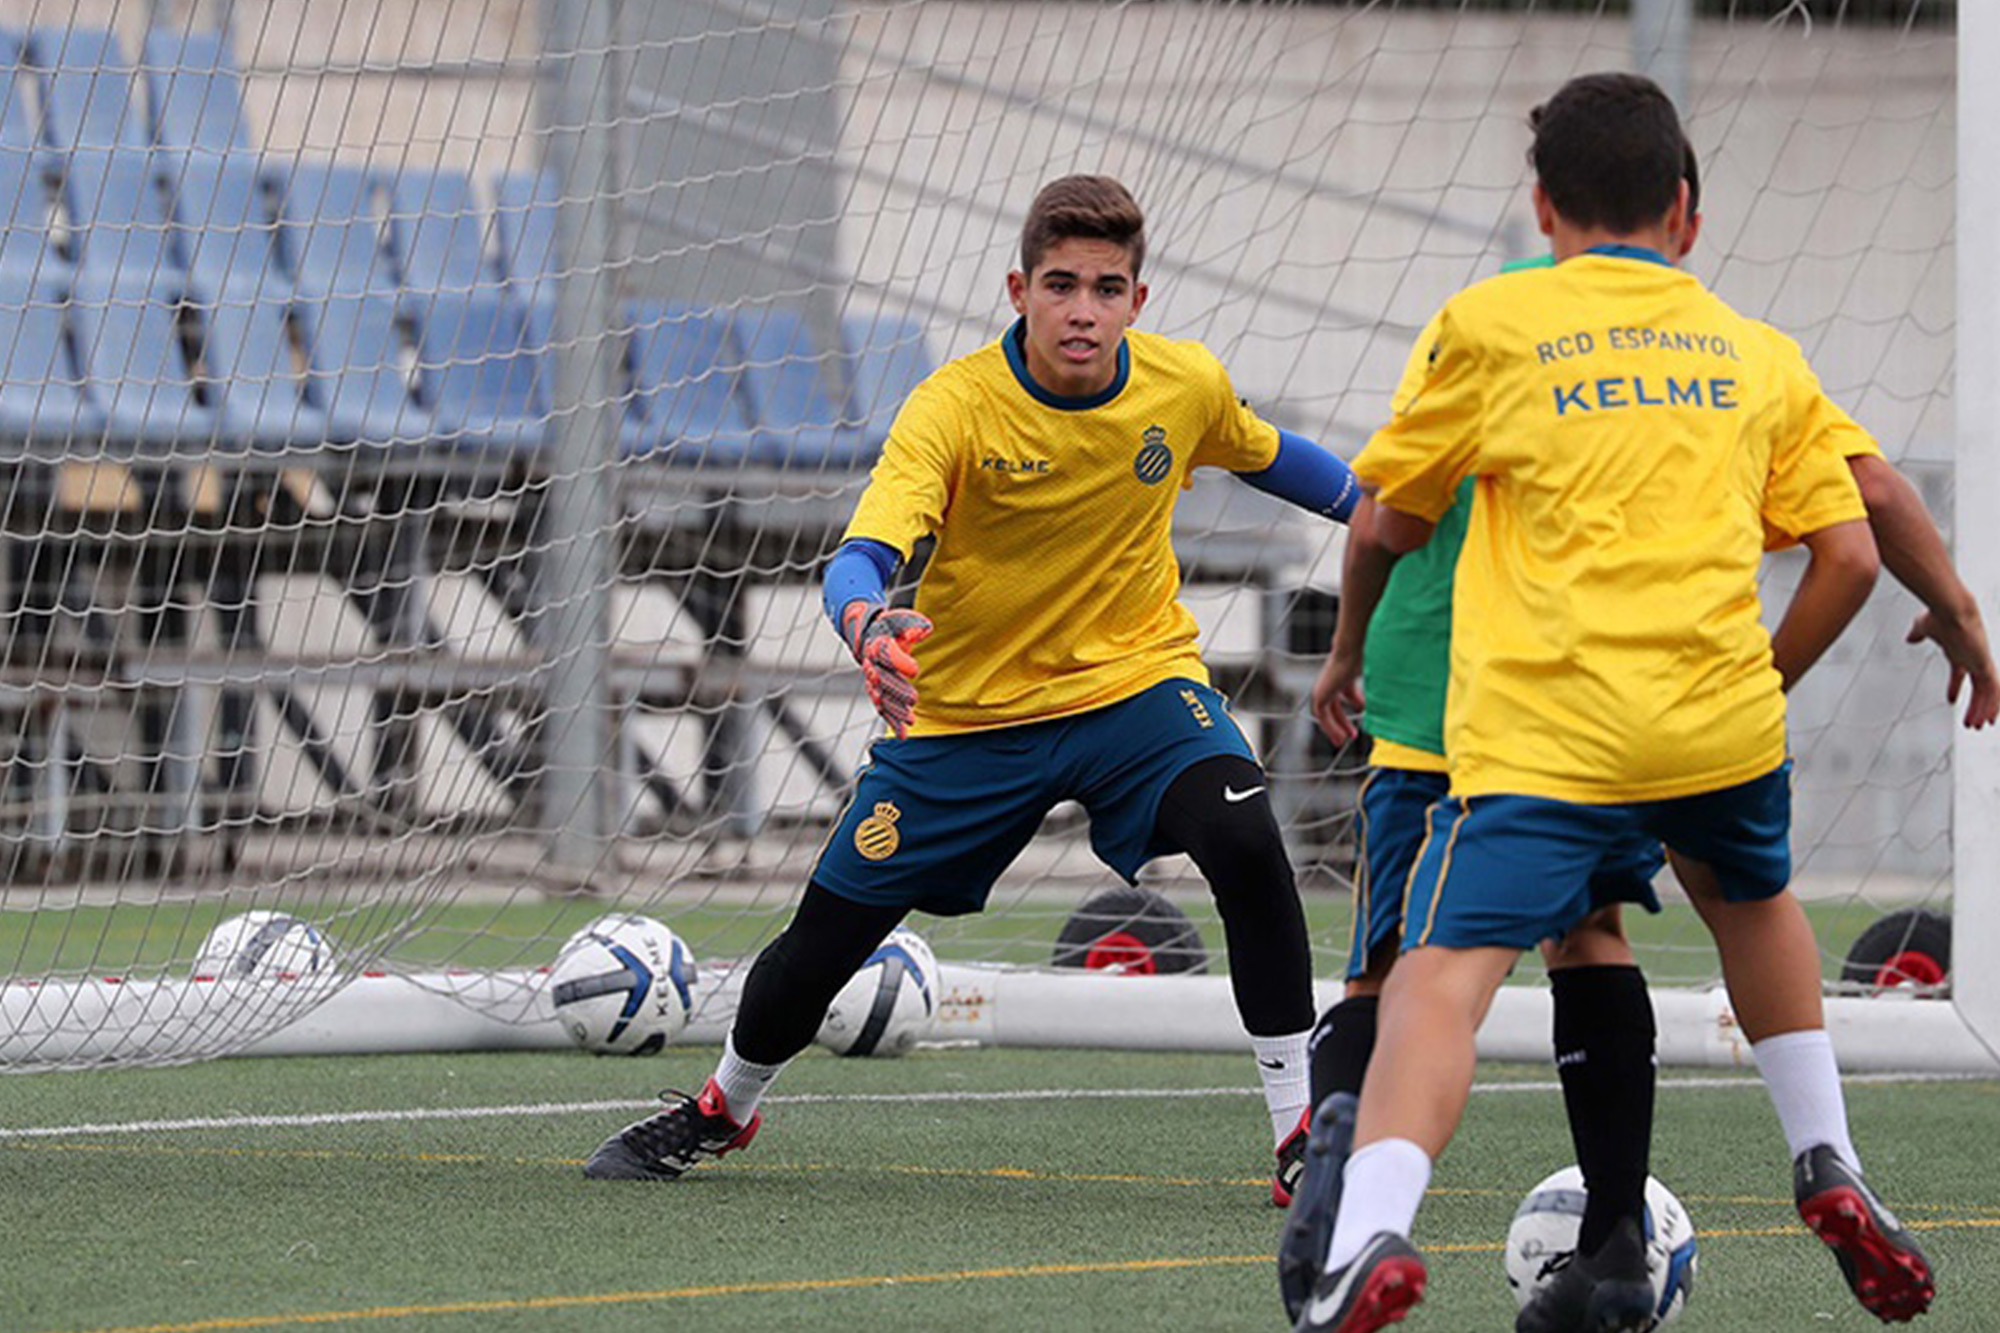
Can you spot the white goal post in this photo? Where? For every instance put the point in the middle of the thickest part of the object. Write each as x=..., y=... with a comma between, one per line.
x=422, y=424
x=1976, y=759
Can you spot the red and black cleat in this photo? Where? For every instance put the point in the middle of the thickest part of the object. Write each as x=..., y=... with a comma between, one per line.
x=1881, y=1262
x=667, y=1144
x=1376, y=1290
x=1291, y=1162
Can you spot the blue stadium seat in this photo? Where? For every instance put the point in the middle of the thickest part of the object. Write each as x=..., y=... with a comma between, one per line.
x=41, y=386
x=27, y=203
x=88, y=96
x=437, y=231
x=20, y=126
x=253, y=382
x=224, y=232
x=27, y=172
x=889, y=358
x=479, y=370
x=135, y=367
x=799, y=423
x=524, y=216
x=329, y=228
x=359, y=366
x=686, y=407
x=119, y=210
x=194, y=90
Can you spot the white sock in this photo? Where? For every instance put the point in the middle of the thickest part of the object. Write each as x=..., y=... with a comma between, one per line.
x=743, y=1084
x=1804, y=1082
x=1282, y=1064
x=1383, y=1187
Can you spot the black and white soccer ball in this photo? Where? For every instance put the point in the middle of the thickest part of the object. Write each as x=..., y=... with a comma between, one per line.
x=1542, y=1241
x=887, y=1006
x=263, y=946
x=623, y=985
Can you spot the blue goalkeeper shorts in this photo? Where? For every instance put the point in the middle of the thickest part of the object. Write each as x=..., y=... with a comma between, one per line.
x=1395, y=803
x=1515, y=870
x=935, y=820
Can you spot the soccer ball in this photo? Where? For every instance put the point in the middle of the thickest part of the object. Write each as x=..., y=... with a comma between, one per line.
x=263, y=946
x=887, y=1006
x=623, y=985
x=1543, y=1236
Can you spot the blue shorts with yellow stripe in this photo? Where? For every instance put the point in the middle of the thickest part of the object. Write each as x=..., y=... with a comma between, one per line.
x=1516, y=870
x=935, y=820
x=1395, y=803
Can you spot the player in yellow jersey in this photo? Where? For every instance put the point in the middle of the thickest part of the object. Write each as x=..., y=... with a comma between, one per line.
x=1633, y=440
x=1057, y=663
x=1603, y=1031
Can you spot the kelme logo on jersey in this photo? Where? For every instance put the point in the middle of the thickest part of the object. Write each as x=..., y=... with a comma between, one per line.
x=876, y=837
x=1155, y=460
x=1017, y=467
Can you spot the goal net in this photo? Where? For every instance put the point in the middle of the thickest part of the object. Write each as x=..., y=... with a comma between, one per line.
x=424, y=422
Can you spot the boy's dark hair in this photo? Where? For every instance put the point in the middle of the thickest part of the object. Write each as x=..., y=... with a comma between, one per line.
x=1095, y=208
x=1691, y=173
x=1609, y=151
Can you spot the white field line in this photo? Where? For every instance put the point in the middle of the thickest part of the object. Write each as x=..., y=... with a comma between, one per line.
x=1693, y=1083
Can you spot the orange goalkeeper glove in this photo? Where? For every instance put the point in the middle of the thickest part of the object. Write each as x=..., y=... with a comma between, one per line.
x=880, y=637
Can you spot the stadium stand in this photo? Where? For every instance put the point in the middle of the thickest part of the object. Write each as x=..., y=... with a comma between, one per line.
x=189, y=327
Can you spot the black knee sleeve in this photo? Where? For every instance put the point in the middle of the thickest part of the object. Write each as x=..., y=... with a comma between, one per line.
x=795, y=978
x=1219, y=813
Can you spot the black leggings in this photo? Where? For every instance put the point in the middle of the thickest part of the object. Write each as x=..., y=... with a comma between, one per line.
x=795, y=979
x=1235, y=843
x=1233, y=839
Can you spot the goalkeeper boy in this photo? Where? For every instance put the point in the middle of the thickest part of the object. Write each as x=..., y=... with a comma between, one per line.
x=1048, y=658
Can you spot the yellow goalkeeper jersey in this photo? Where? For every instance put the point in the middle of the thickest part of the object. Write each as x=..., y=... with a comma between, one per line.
x=1053, y=585
x=1634, y=439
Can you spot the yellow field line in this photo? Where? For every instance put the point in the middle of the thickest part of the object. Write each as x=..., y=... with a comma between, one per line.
x=689, y=1293
x=796, y=1286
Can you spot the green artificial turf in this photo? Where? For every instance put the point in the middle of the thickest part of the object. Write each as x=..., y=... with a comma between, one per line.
x=956, y=1189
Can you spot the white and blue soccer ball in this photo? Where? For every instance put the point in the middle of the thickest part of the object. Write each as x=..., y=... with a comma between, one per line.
x=1542, y=1240
x=623, y=985
x=887, y=1006
x=263, y=946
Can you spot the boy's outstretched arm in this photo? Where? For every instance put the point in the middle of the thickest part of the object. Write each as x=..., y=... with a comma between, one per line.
x=1376, y=539
x=1840, y=572
x=1913, y=551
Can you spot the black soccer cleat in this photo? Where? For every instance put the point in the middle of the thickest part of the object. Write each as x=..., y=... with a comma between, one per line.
x=668, y=1143
x=1374, y=1291
x=1316, y=1200
x=1606, y=1291
x=1881, y=1262
x=1291, y=1163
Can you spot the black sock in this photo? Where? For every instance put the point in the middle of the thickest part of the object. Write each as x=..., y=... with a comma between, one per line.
x=1340, y=1046
x=1604, y=1055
